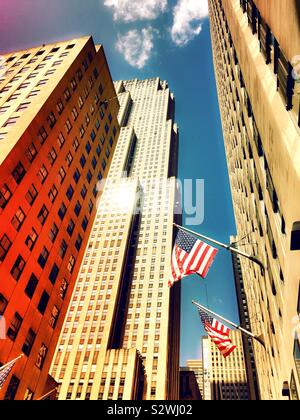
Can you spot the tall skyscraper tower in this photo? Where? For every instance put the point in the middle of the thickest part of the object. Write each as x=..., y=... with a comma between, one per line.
x=121, y=335
x=255, y=45
x=242, y=301
x=56, y=143
x=227, y=377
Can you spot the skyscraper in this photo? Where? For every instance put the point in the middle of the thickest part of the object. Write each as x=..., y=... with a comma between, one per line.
x=255, y=45
x=197, y=367
x=56, y=143
x=242, y=301
x=227, y=377
x=121, y=335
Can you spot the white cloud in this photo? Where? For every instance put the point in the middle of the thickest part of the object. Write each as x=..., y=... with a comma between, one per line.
x=132, y=10
x=136, y=46
x=187, y=17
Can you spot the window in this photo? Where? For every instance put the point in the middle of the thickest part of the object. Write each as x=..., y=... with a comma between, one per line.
x=31, y=153
x=68, y=126
x=31, y=286
x=285, y=79
x=31, y=239
x=78, y=242
x=43, y=257
x=18, y=268
x=28, y=344
x=53, y=233
x=82, y=161
x=89, y=176
x=31, y=194
x=84, y=223
x=52, y=156
x=18, y=173
x=80, y=102
x=74, y=113
x=51, y=120
x=3, y=304
x=94, y=162
x=61, y=175
x=60, y=106
x=5, y=244
x=41, y=356
x=84, y=192
x=62, y=211
x=77, y=208
x=54, y=273
x=63, y=288
x=70, y=192
x=73, y=84
x=60, y=140
x=53, y=194
x=42, y=174
x=271, y=190
x=43, y=214
x=43, y=302
x=12, y=388
x=69, y=159
x=42, y=135
x=76, y=175
x=67, y=95
x=5, y=195
x=75, y=144
x=63, y=249
x=54, y=317
x=71, y=227
x=71, y=264
x=14, y=327
x=295, y=237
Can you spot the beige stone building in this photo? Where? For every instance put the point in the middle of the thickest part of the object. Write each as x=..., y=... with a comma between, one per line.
x=197, y=367
x=227, y=377
x=121, y=335
x=255, y=45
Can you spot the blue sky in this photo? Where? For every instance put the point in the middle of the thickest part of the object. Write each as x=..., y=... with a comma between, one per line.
x=169, y=39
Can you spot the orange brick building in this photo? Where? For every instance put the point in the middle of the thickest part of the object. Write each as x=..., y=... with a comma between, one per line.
x=57, y=139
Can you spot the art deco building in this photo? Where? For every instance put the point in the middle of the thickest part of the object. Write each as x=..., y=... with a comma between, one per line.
x=242, y=301
x=56, y=143
x=189, y=389
x=121, y=336
x=197, y=367
x=255, y=45
x=227, y=377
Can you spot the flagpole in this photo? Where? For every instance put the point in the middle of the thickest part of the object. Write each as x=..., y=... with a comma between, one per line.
x=237, y=327
x=228, y=247
x=12, y=361
x=46, y=395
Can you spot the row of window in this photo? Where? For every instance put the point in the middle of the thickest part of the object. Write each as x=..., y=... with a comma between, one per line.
x=272, y=52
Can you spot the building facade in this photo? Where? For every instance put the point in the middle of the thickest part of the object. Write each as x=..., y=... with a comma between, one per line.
x=56, y=143
x=122, y=301
x=189, y=388
x=255, y=45
x=197, y=367
x=253, y=386
x=227, y=376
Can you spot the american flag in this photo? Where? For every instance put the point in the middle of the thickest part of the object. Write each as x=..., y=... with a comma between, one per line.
x=5, y=371
x=218, y=333
x=190, y=256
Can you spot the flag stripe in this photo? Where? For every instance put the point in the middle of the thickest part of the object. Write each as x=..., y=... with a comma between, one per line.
x=190, y=256
x=218, y=333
